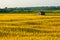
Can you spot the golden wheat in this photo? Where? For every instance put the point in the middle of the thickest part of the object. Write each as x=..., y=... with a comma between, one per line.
x=29, y=27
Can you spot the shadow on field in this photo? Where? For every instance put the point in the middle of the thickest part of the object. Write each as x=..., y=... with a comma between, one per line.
x=33, y=23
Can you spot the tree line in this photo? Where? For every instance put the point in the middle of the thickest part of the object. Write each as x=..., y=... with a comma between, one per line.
x=28, y=9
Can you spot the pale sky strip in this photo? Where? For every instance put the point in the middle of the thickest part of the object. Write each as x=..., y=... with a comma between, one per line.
x=28, y=3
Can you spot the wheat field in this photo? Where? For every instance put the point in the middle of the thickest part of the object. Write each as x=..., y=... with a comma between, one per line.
x=29, y=27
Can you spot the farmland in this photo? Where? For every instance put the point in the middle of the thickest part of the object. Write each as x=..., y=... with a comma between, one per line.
x=29, y=27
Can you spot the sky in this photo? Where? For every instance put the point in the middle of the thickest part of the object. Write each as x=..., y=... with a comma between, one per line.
x=28, y=3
